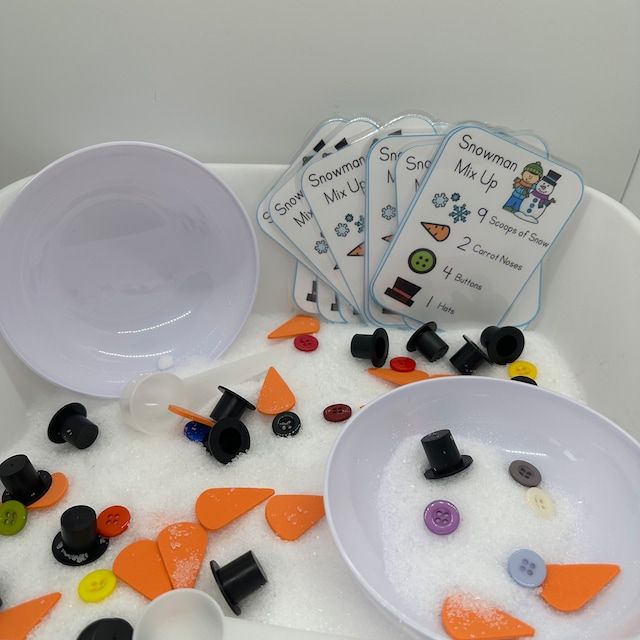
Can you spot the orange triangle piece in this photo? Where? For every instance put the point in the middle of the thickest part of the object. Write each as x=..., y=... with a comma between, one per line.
x=406, y=377
x=57, y=491
x=216, y=508
x=568, y=587
x=187, y=414
x=292, y=515
x=439, y=232
x=275, y=395
x=16, y=623
x=182, y=546
x=464, y=621
x=140, y=566
x=296, y=326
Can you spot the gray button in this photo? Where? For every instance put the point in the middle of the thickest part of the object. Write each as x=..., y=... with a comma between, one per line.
x=525, y=473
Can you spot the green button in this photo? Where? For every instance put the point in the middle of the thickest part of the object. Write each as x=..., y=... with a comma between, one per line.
x=422, y=260
x=13, y=517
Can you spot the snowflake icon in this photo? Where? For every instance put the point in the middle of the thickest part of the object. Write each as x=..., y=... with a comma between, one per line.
x=389, y=212
x=321, y=246
x=349, y=217
x=459, y=213
x=360, y=224
x=341, y=230
x=455, y=197
x=440, y=200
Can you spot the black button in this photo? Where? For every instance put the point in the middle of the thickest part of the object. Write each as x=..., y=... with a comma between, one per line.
x=525, y=473
x=286, y=424
x=107, y=629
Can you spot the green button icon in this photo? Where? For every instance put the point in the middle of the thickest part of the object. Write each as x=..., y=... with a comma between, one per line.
x=422, y=260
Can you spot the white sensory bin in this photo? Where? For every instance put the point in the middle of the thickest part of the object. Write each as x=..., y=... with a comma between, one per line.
x=589, y=466
x=583, y=341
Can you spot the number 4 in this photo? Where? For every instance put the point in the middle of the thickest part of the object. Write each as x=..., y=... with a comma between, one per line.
x=448, y=270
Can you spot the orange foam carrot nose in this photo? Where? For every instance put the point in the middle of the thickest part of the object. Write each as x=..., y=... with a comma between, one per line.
x=182, y=547
x=190, y=415
x=405, y=377
x=292, y=515
x=16, y=623
x=140, y=566
x=216, y=508
x=568, y=587
x=465, y=622
x=57, y=491
x=296, y=326
x=275, y=395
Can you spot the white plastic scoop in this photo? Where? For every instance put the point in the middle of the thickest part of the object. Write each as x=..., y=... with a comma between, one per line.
x=193, y=615
x=144, y=400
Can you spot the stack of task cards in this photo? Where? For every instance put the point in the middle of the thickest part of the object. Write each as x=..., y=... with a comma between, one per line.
x=416, y=220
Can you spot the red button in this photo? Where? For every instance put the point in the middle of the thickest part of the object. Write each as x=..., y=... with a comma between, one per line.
x=113, y=521
x=337, y=412
x=403, y=364
x=305, y=342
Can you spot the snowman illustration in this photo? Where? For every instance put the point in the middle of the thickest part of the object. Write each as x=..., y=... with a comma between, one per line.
x=539, y=198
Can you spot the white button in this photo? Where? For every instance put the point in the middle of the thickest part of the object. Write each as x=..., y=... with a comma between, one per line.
x=541, y=503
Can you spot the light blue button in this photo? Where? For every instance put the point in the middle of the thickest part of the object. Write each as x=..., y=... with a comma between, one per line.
x=527, y=568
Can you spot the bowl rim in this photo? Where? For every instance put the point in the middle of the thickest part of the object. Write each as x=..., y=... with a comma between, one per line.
x=389, y=609
x=24, y=191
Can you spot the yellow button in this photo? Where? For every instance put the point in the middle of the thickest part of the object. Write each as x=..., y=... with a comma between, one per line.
x=522, y=368
x=541, y=503
x=97, y=585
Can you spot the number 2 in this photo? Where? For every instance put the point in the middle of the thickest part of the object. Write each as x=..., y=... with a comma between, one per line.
x=464, y=244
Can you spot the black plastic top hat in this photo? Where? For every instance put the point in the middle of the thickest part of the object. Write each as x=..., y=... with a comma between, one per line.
x=230, y=405
x=374, y=347
x=78, y=542
x=468, y=358
x=238, y=579
x=107, y=629
x=428, y=342
x=21, y=480
x=503, y=344
x=70, y=424
x=443, y=455
x=227, y=438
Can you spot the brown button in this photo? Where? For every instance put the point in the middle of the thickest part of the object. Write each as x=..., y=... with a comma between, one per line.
x=337, y=412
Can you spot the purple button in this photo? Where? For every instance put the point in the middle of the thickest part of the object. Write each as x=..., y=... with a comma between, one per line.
x=441, y=517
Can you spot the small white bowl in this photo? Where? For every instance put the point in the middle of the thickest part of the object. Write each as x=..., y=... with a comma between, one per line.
x=121, y=259
x=583, y=453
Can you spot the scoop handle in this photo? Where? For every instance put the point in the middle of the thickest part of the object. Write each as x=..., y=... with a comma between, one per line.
x=202, y=386
x=236, y=629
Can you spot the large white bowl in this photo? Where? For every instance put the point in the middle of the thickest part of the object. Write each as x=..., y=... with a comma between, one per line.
x=583, y=452
x=117, y=255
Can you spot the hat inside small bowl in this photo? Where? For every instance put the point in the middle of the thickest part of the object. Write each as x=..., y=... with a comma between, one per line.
x=376, y=495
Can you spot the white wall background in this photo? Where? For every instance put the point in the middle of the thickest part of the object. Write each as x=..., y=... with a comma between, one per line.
x=243, y=81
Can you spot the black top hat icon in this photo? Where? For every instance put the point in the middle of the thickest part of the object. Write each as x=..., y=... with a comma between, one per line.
x=238, y=579
x=552, y=177
x=78, y=543
x=443, y=455
x=403, y=291
x=21, y=480
x=70, y=424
